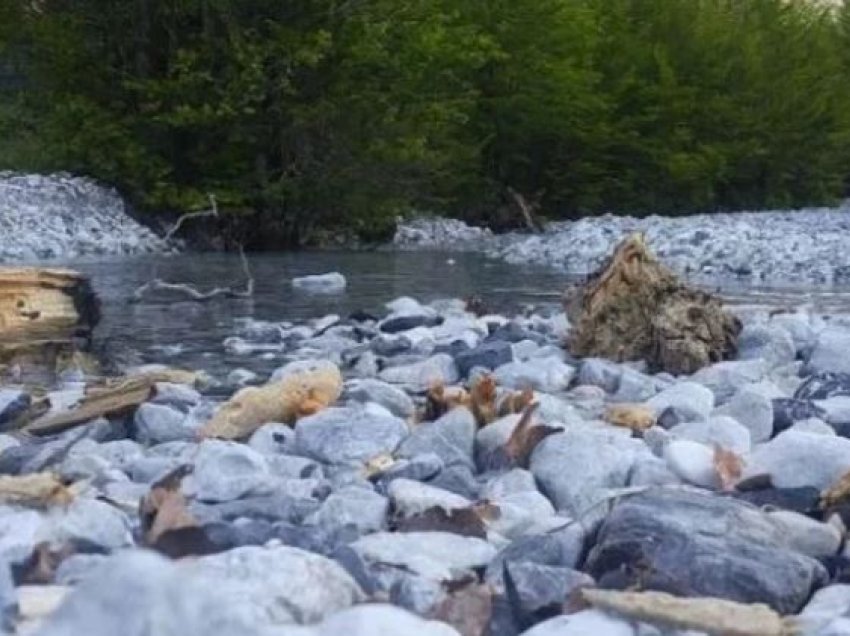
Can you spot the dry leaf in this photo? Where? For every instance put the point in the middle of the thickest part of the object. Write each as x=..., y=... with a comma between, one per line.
x=711, y=615
x=837, y=493
x=729, y=467
x=636, y=417
x=294, y=396
x=36, y=490
x=482, y=398
x=515, y=402
x=467, y=608
x=440, y=399
x=526, y=437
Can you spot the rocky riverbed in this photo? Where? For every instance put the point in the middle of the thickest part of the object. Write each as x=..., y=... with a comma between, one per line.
x=775, y=247
x=375, y=517
x=60, y=216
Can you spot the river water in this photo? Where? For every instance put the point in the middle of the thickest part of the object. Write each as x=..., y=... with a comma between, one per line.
x=191, y=334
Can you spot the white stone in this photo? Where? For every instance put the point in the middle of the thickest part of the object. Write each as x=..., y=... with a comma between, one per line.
x=693, y=462
x=331, y=283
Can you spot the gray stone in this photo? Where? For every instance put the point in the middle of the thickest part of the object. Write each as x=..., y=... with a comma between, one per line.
x=330, y=283
x=519, y=513
x=727, y=378
x=378, y=619
x=88, y=520
x=451, y=438
x=489, y=355
x=599, y=372
x=279, y=584
x=534, y=590
x=158, y=423
x=635, y=386
x=438, y=556
x=458, y=479
x=77, y=567
x=8, y=600
x=421, y=468
x=828, y=606
x=754, y=411
x=766, y=342
x=554, y=411
x=225, y=471
x=835, y=410
x=410, y=498
x=548, y=375
x=787, y=411
x=578, y=468
x=293, y=467
x=800, y=327
x=273, y=439
x=692, y=462
x=348, y=435
x=286, y=505
x=721, y=430
x=652, y=472
x=180, y=396
x=689, y=401
x=582, y=623
x=794, y=459
x=695, y=544
x=364, y=509
x=831, y=352
x=392, y=398
x=805, y=535
x=13, y=402
x=20, y=531
x=420, y=376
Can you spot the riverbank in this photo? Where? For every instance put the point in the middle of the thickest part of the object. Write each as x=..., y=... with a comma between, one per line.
x=380, y=499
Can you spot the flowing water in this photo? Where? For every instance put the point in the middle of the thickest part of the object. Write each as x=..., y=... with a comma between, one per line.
x=191, y=334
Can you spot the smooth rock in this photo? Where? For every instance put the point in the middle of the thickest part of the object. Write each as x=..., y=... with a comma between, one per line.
x=727, y=378
x=8, y=600
x=330, y=283
x=787, y=411
x=688, y=402
x=364, y=509
x=794, y=459
x=489, y=355
x=392, y=398
x=548, y=375
x=348, y=435
x=273, y=439
x=583, y=623
x=766, y=342
x=752, y=410
x=805, y=535
x=698, y=544
x=410, y=498
x=451, y=438
x=224, y=471
x=88, y=520
x=831, y=352
x=537, y=591
x=13, y=402
x=420, y=376
x=693, y=462
x=158, y=423
x=599, y=372
x=378, y=619
x=180, y=396
x=578, y=468
x=721, y=430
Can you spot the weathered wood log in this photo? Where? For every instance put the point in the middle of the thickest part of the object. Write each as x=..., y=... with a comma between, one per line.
x=634, y=308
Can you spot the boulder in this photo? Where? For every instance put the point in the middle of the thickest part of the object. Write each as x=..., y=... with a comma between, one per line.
x=421, y=376
x=451, y=438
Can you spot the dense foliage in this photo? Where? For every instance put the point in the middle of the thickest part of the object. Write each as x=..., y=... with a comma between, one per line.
x=309, y=115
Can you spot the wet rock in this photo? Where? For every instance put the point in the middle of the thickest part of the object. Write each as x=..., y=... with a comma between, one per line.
x=224, y=471
x=831, y=352
x=794, y=459
x=402, y=323
x=694, y=544
x=824, y=385
x=723, y=431
x=331, y=283
x=752, y=410
x=451, y=438
x=390, y=397
x=787, y=411
x=489, y=355
x=548, y=375
x=421, y=376
x=279, y=584
x=348, y=435
x=13, y=402
x=158, y=423
x=577, y=468
x=682, y=402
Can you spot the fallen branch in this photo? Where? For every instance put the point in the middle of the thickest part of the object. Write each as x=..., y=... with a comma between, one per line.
x=189, y=291
x=526, y=209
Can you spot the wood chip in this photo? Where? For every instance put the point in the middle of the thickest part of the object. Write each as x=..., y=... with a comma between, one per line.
x=38, y=490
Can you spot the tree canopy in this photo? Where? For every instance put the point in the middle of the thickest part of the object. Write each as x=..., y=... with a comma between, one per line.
x=304, y=116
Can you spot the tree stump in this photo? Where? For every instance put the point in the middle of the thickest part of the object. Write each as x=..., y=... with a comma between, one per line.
x=634, y=308
x=45, y=316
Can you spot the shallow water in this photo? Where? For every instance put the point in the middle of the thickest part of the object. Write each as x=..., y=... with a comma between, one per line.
x=191, y=334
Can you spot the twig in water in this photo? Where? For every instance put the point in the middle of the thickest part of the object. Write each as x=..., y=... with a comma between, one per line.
x=212, y=211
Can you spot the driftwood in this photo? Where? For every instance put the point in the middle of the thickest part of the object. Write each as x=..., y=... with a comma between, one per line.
x=527, y=209
x=296, y=395
x=634, y=308
x=190, y=292
x=38, y=490
x=710, y=615
x=115, y=397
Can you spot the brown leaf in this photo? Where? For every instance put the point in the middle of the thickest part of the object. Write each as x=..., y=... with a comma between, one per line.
x=516, y=402
x=729, y=467
x=482, y=397
x=468, y=609
x=37, y=490
x=526, y=437
x=636, y=417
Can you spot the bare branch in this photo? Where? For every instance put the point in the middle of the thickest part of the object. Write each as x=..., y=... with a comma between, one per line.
x=526, y=209
x=212, y=211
